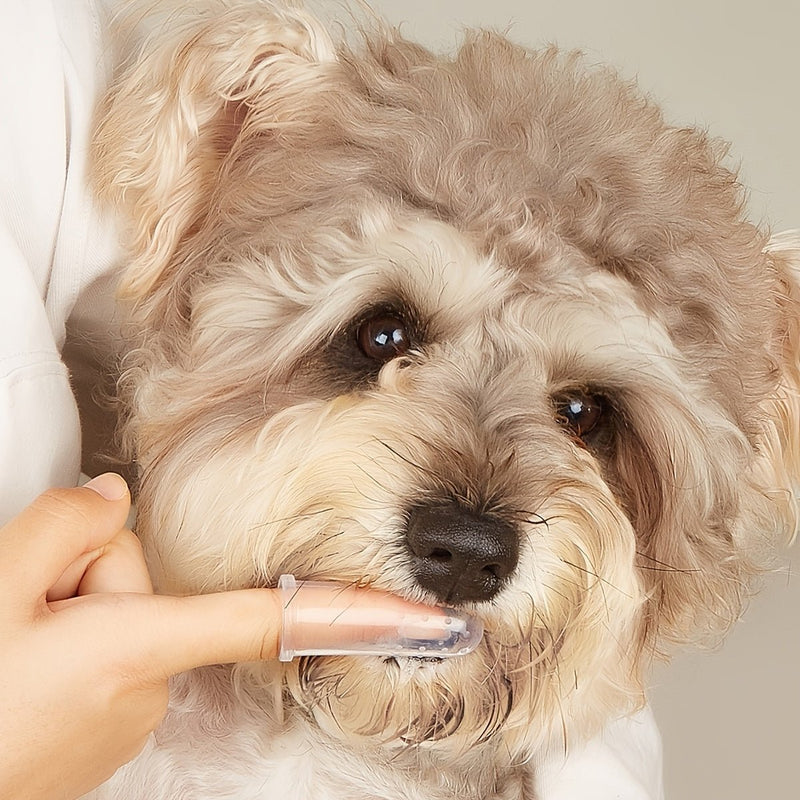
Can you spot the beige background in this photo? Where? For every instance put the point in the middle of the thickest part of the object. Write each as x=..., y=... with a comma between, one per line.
x=729, y=719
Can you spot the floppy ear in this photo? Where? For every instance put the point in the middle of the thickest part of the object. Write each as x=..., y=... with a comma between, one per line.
x=783, y=449
x=177, y=111
x=697, y=583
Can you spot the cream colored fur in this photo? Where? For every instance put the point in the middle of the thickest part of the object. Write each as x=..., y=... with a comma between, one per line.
x=544, y=232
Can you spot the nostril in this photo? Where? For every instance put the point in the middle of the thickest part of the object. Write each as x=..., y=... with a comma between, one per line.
x=440, y=554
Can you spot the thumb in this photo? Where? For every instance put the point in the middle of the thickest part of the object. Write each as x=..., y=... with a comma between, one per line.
x=57, y=528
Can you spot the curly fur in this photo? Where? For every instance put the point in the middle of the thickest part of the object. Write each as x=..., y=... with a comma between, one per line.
x=542, y=229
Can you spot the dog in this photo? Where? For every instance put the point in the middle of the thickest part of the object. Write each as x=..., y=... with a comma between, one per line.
x=481, y=330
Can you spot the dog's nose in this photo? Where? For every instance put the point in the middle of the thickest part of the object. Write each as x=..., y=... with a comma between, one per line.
x=458, y=554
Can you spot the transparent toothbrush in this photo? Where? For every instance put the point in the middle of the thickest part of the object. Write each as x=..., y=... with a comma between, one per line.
x=326, y=618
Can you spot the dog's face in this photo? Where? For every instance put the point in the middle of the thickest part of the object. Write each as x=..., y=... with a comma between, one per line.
x=481, y=331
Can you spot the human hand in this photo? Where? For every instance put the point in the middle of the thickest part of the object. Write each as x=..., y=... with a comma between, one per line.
x=87, y=649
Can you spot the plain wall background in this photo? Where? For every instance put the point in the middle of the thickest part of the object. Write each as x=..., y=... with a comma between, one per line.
x=730, y=719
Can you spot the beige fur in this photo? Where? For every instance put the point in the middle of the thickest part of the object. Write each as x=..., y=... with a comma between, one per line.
x=542, y=231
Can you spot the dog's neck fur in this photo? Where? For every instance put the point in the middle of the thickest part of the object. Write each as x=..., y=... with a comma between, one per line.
x=213, y=745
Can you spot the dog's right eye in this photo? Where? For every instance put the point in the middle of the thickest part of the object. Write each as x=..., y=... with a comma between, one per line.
x=383, y=337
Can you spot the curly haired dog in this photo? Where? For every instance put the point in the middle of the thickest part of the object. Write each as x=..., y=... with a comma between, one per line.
x=482, y=330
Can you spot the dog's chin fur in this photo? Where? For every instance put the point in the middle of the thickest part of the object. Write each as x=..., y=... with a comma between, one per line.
x=541, y=232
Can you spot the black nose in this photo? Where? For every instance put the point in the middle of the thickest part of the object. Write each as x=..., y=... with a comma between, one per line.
x=458, y=554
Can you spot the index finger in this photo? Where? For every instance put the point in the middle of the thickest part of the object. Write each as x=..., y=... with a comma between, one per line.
x=166, y=635
x=57, y=528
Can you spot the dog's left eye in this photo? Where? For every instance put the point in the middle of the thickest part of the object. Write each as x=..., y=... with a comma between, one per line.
x=579, y=413
x=383, y=337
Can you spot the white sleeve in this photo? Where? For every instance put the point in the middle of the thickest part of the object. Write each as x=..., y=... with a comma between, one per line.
x=39, y=434
x=624, y=762
x=39, y=427
x=51, y=247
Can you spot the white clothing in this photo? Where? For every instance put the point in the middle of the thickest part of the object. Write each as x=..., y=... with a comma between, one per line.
x=52, y=243
x=56, y=251
x=623, y=763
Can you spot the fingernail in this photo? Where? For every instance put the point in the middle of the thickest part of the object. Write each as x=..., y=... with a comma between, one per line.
x=108, y=485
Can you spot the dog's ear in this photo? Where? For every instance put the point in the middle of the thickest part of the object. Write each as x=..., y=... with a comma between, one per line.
x=179, y=109
x=781, y=461
x=697, y=583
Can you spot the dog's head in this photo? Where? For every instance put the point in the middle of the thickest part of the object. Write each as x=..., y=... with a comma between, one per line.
x=483, y=331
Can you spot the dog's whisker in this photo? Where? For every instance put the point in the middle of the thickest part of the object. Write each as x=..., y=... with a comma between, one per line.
x=601, y=581
x=662, y=566
x=291, y=518
x=530, y=517
x=406, y=459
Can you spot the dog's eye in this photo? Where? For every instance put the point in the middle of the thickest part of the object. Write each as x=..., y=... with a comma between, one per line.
x=383, y=337
x=579, y=413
